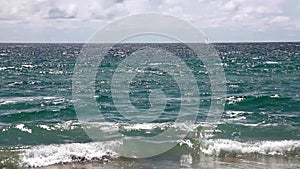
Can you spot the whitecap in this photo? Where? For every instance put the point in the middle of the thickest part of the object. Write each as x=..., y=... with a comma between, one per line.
x=234, y=113
x=143, y=126
x=14, y=100
x=23, y=128
x=234, y=99
x=15, y=83
x=186, y=142
x=216, y=146
x=3, y=68
x=47, y=127
x=271, y=62
x=28, y=66
x=49, y=98
x=8, y=102
x=62, y=126
x=275, y=96
x=45, y=155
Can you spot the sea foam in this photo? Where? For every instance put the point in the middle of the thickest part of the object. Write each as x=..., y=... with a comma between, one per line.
x=282, y=147
x=45, y=155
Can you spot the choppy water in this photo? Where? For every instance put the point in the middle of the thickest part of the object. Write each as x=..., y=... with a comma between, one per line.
x=260, y=124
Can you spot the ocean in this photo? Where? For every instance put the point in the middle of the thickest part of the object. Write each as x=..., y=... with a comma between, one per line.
x=258, y=128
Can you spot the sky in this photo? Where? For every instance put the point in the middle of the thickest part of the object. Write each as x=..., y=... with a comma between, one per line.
x=220, y=20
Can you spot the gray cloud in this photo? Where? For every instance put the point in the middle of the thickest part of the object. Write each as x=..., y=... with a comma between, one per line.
x=56, y=13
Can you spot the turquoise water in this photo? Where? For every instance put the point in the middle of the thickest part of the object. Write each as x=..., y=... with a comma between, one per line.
x=261, y=118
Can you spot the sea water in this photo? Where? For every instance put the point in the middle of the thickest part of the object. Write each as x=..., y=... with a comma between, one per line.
x=259, y=127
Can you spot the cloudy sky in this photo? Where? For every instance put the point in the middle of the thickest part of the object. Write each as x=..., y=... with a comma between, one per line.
x=220, y=20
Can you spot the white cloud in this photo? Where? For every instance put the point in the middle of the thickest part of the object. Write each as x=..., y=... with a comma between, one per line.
x=238, y=15
x=232, y=5
x=280, y=19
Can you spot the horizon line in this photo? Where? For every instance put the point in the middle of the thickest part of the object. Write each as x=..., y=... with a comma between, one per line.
x=81, y=42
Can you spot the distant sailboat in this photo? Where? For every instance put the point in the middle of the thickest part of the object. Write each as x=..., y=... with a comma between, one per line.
x=206, y=40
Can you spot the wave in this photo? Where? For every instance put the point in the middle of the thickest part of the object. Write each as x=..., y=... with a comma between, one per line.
x=65, y=126
x=220, y=146
x=101, y=152
x=23, y=128
x=14, y=100
x=46, y=155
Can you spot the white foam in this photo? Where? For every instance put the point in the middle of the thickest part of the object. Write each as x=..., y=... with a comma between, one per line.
x=46, y=127
x=233, y=86
x=45, y=155
x=56, y=72
x=15, y=83
x=13, y=100
x=104, y=126
x=28, y=66
x=271, y=62
x=250, y=124
x=49, y=98
x=116, y=126
x=234, y=113
x=215, y=146
x=186, y=161
x=3, y=68
x=144, y=126
x=23, y=128
x=5, y=129
x=8, y=102
x=233, y=99
x=186, y=142
x=189, y=127
x=16, y=99
x=275, y=96
x=236, y=119
x=235, y=116
x=68, y=125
